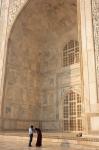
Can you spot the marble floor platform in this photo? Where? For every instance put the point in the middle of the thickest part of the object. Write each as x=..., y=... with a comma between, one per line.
x=19, y=141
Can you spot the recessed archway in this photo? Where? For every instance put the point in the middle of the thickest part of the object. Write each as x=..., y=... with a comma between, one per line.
x=35, y=64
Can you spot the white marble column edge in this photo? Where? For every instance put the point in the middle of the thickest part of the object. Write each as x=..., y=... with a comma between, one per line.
x=3, y=41
x=89, y=72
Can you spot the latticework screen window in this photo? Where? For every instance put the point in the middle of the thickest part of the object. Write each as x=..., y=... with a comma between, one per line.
x=72, y=111
x=78, y=110
x=71, y=53
x=66, y=125
x=72, y=108
x=73, y=124
x=79, y=124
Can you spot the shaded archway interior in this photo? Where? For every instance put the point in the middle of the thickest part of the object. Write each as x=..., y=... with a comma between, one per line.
x=34, y=62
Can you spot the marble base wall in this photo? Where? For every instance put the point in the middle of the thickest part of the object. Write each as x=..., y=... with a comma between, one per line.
x=13, y=124
x=92, y=123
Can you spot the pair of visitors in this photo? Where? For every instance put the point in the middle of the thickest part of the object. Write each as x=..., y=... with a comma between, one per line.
x=39, y=136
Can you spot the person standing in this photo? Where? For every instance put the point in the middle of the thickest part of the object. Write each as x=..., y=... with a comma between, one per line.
x=30, y=135
x=39, y=137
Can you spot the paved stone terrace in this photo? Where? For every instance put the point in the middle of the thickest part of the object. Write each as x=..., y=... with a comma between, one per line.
x=19, y=141
x=68, y=136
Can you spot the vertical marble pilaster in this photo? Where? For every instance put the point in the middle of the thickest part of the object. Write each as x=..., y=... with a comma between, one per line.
x=3, y=34
x=0, y=4
x=88, y=62
x=95, y=18
x=89, y=74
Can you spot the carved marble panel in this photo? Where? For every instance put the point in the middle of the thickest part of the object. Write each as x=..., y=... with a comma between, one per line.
x=95, y=17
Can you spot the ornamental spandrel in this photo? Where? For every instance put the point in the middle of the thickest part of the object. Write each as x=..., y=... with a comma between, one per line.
x=14, y=8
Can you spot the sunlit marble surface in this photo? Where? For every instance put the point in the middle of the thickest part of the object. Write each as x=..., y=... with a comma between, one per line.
x=8, y=142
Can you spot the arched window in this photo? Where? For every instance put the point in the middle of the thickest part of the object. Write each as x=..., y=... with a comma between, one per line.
x=71, y=53
x=72, y=111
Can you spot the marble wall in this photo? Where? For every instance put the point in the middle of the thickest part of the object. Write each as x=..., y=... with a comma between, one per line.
x=35, y=76
x=32, y=41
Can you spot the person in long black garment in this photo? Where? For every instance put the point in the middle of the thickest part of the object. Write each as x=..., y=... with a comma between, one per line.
x=39, y=137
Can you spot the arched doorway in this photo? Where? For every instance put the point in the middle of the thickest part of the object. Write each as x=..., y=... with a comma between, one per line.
x=37, y=69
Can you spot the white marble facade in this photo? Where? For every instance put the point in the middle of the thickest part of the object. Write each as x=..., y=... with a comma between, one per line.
x=33, y=79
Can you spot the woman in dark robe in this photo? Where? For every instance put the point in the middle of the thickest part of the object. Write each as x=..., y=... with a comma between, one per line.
x=39, y=137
